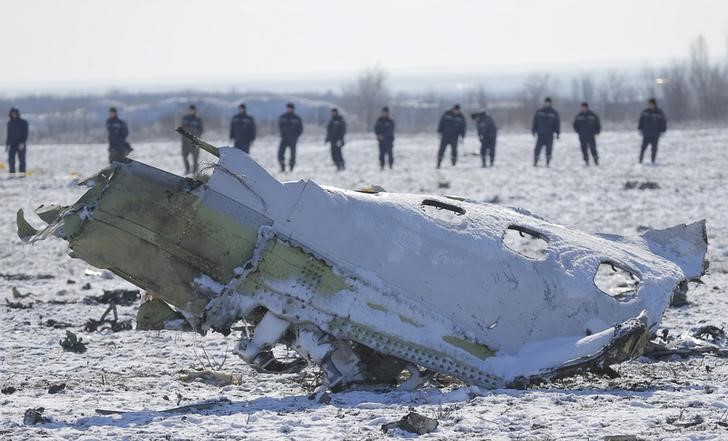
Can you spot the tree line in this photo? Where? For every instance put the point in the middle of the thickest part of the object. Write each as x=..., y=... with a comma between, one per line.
x=691, y=91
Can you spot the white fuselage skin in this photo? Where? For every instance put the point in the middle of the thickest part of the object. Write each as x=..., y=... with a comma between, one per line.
x=461, y=268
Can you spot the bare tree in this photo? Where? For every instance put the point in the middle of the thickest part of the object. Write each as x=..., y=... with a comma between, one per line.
x=477, y=97
x=536, y=88
x=691, y=89
x=700, y=74
x=676, y=92
x=709, y=81
x=615, y=94
x=366, y=95
x=583, y=88
x=648, y=84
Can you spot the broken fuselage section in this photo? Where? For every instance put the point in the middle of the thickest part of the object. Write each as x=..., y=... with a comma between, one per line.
x=368, y=284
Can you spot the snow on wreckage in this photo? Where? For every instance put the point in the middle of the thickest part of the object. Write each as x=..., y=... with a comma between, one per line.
x=368, y=284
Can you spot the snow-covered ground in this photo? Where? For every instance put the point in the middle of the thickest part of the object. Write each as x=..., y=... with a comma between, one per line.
x=138, y=371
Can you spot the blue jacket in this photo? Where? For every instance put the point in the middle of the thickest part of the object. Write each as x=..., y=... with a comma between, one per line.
x=17, y=129
x=546, y=122
x=486, y=126
x=336, y=129
x=384, y=127
x=652, y=123
x=118, y=131
x=242, y=129
x=587, y=124
x=451, y=125
x=193, y=123
x=290, y=126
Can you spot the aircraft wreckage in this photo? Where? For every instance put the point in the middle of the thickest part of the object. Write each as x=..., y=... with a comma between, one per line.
x=368, y=284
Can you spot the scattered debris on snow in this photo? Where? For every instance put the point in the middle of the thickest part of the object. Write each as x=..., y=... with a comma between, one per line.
x=18, y=295
x=142, y=368
x=56, y=388
x=208, y=376
x=644, y=185
x=190, y=408
x=18, y=305
x=73, y=343
x=268, y=259
x=114, y=324
x=706, y=339
x=122, y=297
x=413, y=422
x=21, y=277
x=52, y=323
x=683, y=422
x=35, y=416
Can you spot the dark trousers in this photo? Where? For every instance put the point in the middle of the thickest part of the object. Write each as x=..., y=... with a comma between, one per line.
x=453, y=143
x=336, y=154
x=117, y=153
x=487, y=149
x=386, y=147
x=187, y=150
x=243, y=145
x=14, y=151
x=543, y=140
x=649, y=141
x=589, y=144
x=285, y=144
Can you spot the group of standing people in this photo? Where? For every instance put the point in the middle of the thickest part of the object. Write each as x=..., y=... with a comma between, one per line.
x=452, y=127
x=546, y=127
x=546, y=124
x=290, y=127
x=243, y=131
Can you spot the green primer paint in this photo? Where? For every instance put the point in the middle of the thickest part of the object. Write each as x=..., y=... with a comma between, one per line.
x=475, y=349
x=282, y=261
x=408, y=320
x=376, y=306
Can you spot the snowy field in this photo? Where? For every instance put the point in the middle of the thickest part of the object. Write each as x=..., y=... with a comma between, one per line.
x=138, y=372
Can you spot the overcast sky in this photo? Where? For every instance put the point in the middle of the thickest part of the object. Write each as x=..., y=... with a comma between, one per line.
x=52, y=43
